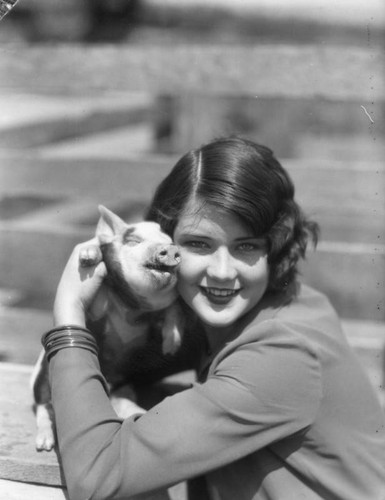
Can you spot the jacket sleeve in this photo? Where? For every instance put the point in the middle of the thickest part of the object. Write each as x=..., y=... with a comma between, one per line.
x=258, y=394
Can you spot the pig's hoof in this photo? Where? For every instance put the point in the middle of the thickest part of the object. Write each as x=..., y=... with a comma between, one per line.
x=90, y=256
x=45, y=440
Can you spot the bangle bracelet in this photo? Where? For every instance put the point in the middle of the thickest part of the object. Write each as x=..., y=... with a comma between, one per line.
x=66, y=336
x=52, y=335
x=63, y=328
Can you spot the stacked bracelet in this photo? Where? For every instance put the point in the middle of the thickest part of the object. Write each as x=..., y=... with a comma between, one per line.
x=66, y=336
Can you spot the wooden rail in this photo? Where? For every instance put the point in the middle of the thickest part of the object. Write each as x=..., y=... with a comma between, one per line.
x=343, y=73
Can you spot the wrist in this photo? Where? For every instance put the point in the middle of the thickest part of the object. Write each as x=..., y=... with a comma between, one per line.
x=68, y=336
x=68, y=316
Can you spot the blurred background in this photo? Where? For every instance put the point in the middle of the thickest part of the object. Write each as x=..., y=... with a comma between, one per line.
x=62, y=152
x=98, y=98
x=317, y=128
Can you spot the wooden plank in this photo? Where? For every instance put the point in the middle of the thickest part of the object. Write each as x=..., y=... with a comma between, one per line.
x=368, y=340
x=305, y=71
x=19, y=460
x=21, y=330
x=13, y=490
x=83, y=178
x=33, y=260
x=352, y=276
x=52, y=129
x=323, y=187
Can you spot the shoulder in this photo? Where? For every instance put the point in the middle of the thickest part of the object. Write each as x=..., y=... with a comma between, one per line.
x=286, y=334
x=275, y=364
x=289, y=342
x=307, y=317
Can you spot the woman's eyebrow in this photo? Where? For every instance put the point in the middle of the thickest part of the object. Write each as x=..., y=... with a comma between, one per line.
x=188, y=234
x=247, y=238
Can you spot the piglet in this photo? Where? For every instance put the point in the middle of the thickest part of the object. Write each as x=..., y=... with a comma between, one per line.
x=137, y=298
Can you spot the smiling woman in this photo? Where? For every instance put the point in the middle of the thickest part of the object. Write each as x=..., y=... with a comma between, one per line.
x=281, y=407
x=224, y=270
x=245, y=180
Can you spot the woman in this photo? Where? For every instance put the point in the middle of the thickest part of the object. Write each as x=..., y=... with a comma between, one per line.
x=281, y=410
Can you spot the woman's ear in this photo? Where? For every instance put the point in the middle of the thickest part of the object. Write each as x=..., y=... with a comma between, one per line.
x=109, y=225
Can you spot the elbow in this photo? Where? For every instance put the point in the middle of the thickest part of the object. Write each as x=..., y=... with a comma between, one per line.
x=84, y=491
x=82, y=488
x=102, y=478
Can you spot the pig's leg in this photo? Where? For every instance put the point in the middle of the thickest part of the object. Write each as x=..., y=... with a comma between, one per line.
x=45, y=436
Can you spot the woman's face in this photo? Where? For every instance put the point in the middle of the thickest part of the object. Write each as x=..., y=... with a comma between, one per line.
x=223, y=271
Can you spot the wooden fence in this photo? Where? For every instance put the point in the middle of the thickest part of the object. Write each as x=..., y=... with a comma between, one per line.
x=61, y=195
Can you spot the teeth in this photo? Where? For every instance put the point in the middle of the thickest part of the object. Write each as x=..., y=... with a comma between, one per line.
x=219, y=292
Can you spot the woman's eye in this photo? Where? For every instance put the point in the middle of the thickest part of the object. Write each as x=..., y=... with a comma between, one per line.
x=196, y=244
x=248, y=247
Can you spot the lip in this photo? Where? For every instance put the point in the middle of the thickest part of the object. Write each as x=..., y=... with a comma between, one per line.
x=219, y=296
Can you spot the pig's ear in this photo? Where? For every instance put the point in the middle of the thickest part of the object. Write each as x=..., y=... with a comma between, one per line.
x=109, y=225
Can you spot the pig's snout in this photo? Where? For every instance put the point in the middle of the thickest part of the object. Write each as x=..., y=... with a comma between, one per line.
x=168, y=256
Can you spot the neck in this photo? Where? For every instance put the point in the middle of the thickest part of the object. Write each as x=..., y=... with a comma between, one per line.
x=218, y=336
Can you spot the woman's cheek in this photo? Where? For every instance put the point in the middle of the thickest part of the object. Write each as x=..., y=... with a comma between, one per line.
x=189, y=266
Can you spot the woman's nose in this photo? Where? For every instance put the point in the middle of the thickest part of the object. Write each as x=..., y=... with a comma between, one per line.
x=222, y=266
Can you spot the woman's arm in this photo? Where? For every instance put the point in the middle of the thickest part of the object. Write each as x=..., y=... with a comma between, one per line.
x=237, y=411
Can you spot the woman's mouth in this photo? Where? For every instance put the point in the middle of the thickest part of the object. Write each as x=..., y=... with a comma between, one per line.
x=219, y=295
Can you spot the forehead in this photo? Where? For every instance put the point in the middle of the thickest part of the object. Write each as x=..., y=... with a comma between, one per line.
x=210, y=220
x=147, y=231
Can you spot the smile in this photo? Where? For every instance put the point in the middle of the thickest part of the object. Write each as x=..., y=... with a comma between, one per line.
x=220, y=292
x=219, y=295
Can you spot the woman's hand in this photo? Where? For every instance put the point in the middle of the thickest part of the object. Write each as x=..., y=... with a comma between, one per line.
x=77, y=288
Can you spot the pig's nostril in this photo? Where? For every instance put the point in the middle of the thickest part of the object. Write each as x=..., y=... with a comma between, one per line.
x=168, y=256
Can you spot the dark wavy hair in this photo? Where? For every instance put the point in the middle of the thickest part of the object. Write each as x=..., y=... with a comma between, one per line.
x=244, y=179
